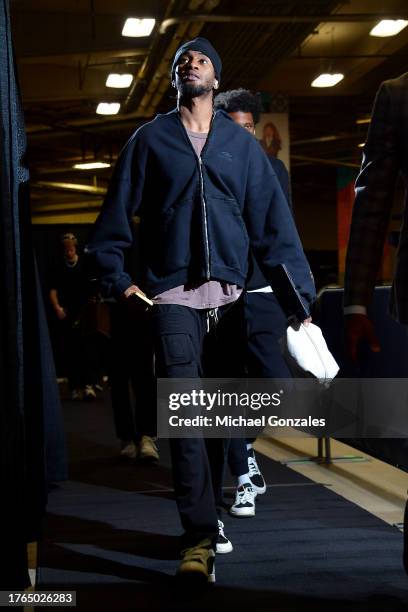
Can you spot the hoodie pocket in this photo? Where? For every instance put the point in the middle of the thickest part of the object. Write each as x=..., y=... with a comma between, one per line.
x=170, y=252
x=229, y=241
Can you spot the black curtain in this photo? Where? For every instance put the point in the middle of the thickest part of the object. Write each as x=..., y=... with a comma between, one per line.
x=28, y=394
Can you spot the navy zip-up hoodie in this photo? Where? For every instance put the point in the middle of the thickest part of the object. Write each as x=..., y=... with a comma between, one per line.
x=197, y=220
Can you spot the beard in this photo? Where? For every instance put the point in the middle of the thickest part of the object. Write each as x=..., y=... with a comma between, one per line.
x=191, y=90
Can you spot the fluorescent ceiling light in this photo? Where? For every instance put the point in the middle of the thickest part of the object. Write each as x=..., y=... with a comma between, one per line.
x=91, y=165
x=119, y=80
x=108, y=108
x=138, y=27
x=327, y=80
x=389, y=27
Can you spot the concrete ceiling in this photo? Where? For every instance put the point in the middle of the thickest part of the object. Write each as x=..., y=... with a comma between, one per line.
x=65, y=50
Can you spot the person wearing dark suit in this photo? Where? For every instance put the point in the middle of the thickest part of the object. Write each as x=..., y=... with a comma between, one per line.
x=385, y=158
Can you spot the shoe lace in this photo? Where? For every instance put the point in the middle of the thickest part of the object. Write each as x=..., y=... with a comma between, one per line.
x=246, y=494
x=221, y=529
x=253, y=466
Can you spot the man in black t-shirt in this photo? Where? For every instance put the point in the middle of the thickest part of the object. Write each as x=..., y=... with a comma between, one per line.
x=68, y=296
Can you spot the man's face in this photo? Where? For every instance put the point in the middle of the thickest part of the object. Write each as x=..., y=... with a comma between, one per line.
x=69, y=250
x=194, y=74
x=245, y=120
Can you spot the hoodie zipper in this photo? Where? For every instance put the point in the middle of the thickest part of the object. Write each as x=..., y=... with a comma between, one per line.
x=204, y=209
x=202, y=195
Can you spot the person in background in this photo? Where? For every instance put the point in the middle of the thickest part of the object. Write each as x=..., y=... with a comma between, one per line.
x=68, y=295
x=265, y=322
x=385, y=158
x=132, y=382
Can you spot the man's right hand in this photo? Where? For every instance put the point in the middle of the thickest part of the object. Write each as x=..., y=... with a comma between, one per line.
x=130, y=291
x=359, y=327
x=133, y=298
x=60, y=312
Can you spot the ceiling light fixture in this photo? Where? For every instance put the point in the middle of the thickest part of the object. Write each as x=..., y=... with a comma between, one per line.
x=388, y=27
x=119, y=80
x=91, y=165
x=138, y=27
x=108, y=108
x=327, y=80
x=361, y=145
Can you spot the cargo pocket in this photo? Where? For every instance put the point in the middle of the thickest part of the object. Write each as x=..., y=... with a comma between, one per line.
x=177, y=357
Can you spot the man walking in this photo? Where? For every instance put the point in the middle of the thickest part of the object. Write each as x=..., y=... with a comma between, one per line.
x=205, y=192
x=265, y=322
x=385, y=158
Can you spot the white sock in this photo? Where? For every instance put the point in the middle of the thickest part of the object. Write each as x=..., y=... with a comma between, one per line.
x=249, y=446
x=244, y=479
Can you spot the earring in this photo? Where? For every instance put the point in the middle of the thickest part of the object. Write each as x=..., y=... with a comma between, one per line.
x=216, y=84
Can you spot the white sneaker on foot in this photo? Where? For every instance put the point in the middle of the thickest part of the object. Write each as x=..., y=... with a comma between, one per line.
x=244, y=504
x=256, y=479
x=223, y=543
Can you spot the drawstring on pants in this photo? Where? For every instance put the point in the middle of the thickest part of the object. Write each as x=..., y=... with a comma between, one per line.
x=212, y=319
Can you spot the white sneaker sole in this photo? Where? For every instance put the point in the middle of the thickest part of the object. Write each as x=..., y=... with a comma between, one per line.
x=223, y=549
x=242, y=512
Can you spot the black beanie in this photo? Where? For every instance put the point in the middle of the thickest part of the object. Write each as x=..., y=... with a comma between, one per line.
x=203, y=45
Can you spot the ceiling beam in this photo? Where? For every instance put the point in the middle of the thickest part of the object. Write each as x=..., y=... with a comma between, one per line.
x=274, y=19
x=77, y=187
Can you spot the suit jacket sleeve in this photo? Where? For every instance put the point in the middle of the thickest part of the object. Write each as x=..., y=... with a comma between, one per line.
x=272, y=232
x=374, y=194
x=112, y=233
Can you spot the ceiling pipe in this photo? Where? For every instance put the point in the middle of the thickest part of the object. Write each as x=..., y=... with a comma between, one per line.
x=54, y=58
x=330, y=57
x=142, y=71
x=79, y=125
x=336, y=18
x=159, y=81
x=149, y=103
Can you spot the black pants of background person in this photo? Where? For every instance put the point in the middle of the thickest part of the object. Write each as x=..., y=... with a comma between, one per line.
x=254, y=333
x=69, y=345
x=132, y=365
x=198, y=464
